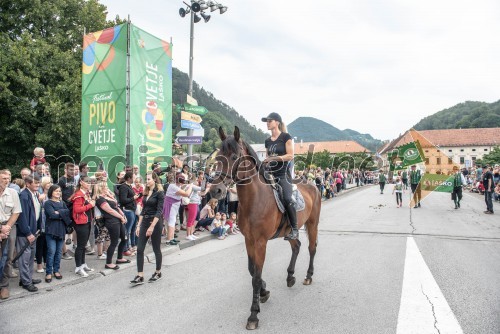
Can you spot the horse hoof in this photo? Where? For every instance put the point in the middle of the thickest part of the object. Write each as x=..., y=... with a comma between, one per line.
x=290, y=282
x=264, y=298
x=251, y=325
x=308, y=281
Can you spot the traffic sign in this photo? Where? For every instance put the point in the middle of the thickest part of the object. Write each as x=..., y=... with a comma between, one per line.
x=196, y=140
x=190, y=117
x=191, y=100
x=190, y=124
x=199, y=110
x=196, y=132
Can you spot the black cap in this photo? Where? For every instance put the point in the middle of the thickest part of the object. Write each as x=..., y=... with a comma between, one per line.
x=272, y=116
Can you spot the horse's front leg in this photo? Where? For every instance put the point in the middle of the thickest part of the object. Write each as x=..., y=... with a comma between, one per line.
x=256, y=256
x=290, y=279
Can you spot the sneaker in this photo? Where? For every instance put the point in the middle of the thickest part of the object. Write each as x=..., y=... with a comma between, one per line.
x=103, y=256
x=156, y=277
x=173, y=242
x=221, y=237
x=86, y=268
x=194, y=237
x=138, y=280
x=66, y=256
x=91, y=252
x=81, y=272
x=188, y=237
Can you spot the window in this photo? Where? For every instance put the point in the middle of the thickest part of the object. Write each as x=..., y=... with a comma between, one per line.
x=450, y=150
x=450, y=161
x=462, y=160
x=473, y=150
x=426, y=151
x=486, y=150
x=438, y=161
x=426, y=161
x=461, y=150
x=473, y=158
x=438, y=150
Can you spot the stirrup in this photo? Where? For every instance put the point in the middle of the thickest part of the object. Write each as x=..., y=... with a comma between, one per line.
x=293, y=235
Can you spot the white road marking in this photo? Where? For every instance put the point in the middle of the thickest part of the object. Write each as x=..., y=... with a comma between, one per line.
x=423, y=308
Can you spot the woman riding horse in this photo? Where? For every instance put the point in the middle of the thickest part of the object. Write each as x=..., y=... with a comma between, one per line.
x=279, y=148
x=259, y=218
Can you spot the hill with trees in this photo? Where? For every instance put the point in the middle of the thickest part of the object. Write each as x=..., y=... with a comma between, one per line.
x=470, y=114
x=310, y=129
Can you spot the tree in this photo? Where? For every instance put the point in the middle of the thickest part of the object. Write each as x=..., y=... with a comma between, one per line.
x=40, y=75
x=491, y=158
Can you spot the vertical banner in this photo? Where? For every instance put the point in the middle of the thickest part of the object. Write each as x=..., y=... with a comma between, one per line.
x=150, y=99
x=104, y=95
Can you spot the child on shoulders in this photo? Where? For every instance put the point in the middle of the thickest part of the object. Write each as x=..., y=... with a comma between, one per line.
x=38, y=159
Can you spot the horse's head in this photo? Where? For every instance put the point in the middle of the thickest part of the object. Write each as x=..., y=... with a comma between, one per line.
x=232, y=152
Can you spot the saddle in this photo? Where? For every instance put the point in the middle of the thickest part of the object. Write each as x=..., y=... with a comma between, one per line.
x=297, y=198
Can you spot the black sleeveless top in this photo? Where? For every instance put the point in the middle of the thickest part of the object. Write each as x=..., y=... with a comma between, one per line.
x=278, y=148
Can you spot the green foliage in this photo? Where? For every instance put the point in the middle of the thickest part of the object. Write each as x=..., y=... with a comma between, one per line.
x=342, y=160
x=465, y=115
x=491, y=158
x=310, y=129
x=40, y=75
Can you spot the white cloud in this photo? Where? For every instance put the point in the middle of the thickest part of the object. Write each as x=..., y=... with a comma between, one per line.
x=377, y=67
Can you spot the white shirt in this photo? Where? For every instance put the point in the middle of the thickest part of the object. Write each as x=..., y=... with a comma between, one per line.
x=172, y=190
x=9, y=204
x=37, y=205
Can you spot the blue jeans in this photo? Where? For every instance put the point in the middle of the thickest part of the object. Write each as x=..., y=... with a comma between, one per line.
x=4, y=280
x=130, y=215
x=54, y=253
x=219, y=230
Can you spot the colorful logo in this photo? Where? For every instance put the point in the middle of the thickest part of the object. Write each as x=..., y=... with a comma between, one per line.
x=98, y=50
x=154, y=117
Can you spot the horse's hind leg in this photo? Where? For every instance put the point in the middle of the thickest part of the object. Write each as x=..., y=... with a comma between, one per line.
x=312, y=232
x=290, y=280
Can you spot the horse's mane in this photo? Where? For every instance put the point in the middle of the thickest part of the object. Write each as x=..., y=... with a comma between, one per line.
x=230, y=145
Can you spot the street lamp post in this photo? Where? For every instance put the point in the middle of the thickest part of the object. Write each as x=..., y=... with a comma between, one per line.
x=195, y=7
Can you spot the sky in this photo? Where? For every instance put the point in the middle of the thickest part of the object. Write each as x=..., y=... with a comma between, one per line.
x=376, y=67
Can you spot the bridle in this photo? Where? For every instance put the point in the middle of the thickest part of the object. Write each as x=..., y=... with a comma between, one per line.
x=233, y=175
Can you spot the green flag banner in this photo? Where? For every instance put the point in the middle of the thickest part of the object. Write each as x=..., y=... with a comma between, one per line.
x=406, y=155
x=437, y=182
x=150, y=98
x=103, y=93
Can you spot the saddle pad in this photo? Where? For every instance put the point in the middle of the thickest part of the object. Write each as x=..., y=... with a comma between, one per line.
x=297, y=197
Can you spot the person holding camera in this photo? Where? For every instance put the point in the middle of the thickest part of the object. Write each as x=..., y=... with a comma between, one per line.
x=172, y=203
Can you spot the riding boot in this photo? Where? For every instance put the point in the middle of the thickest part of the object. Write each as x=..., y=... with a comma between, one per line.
x=292, y=216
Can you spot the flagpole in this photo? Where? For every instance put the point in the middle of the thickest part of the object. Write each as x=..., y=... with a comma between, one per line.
x=127, y=108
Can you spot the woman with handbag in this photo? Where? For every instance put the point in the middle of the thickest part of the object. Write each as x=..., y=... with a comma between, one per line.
x=83, y=214
x=114, y=220
x=150, y=225
x=58, y=217
x=172, y=203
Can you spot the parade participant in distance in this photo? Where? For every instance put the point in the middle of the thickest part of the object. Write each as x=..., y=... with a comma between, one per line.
x=458, y=182
x=415, y=185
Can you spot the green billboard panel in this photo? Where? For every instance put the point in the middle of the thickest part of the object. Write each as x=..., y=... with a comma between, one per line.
x=150, y=98
x=104, y=93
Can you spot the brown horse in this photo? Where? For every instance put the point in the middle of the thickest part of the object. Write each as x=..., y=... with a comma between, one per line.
x=258, y=214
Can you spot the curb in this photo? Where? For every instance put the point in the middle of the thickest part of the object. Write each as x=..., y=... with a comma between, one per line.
x=166, y=250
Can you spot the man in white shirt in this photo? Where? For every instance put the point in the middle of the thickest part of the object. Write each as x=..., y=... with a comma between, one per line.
x=10, y=208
